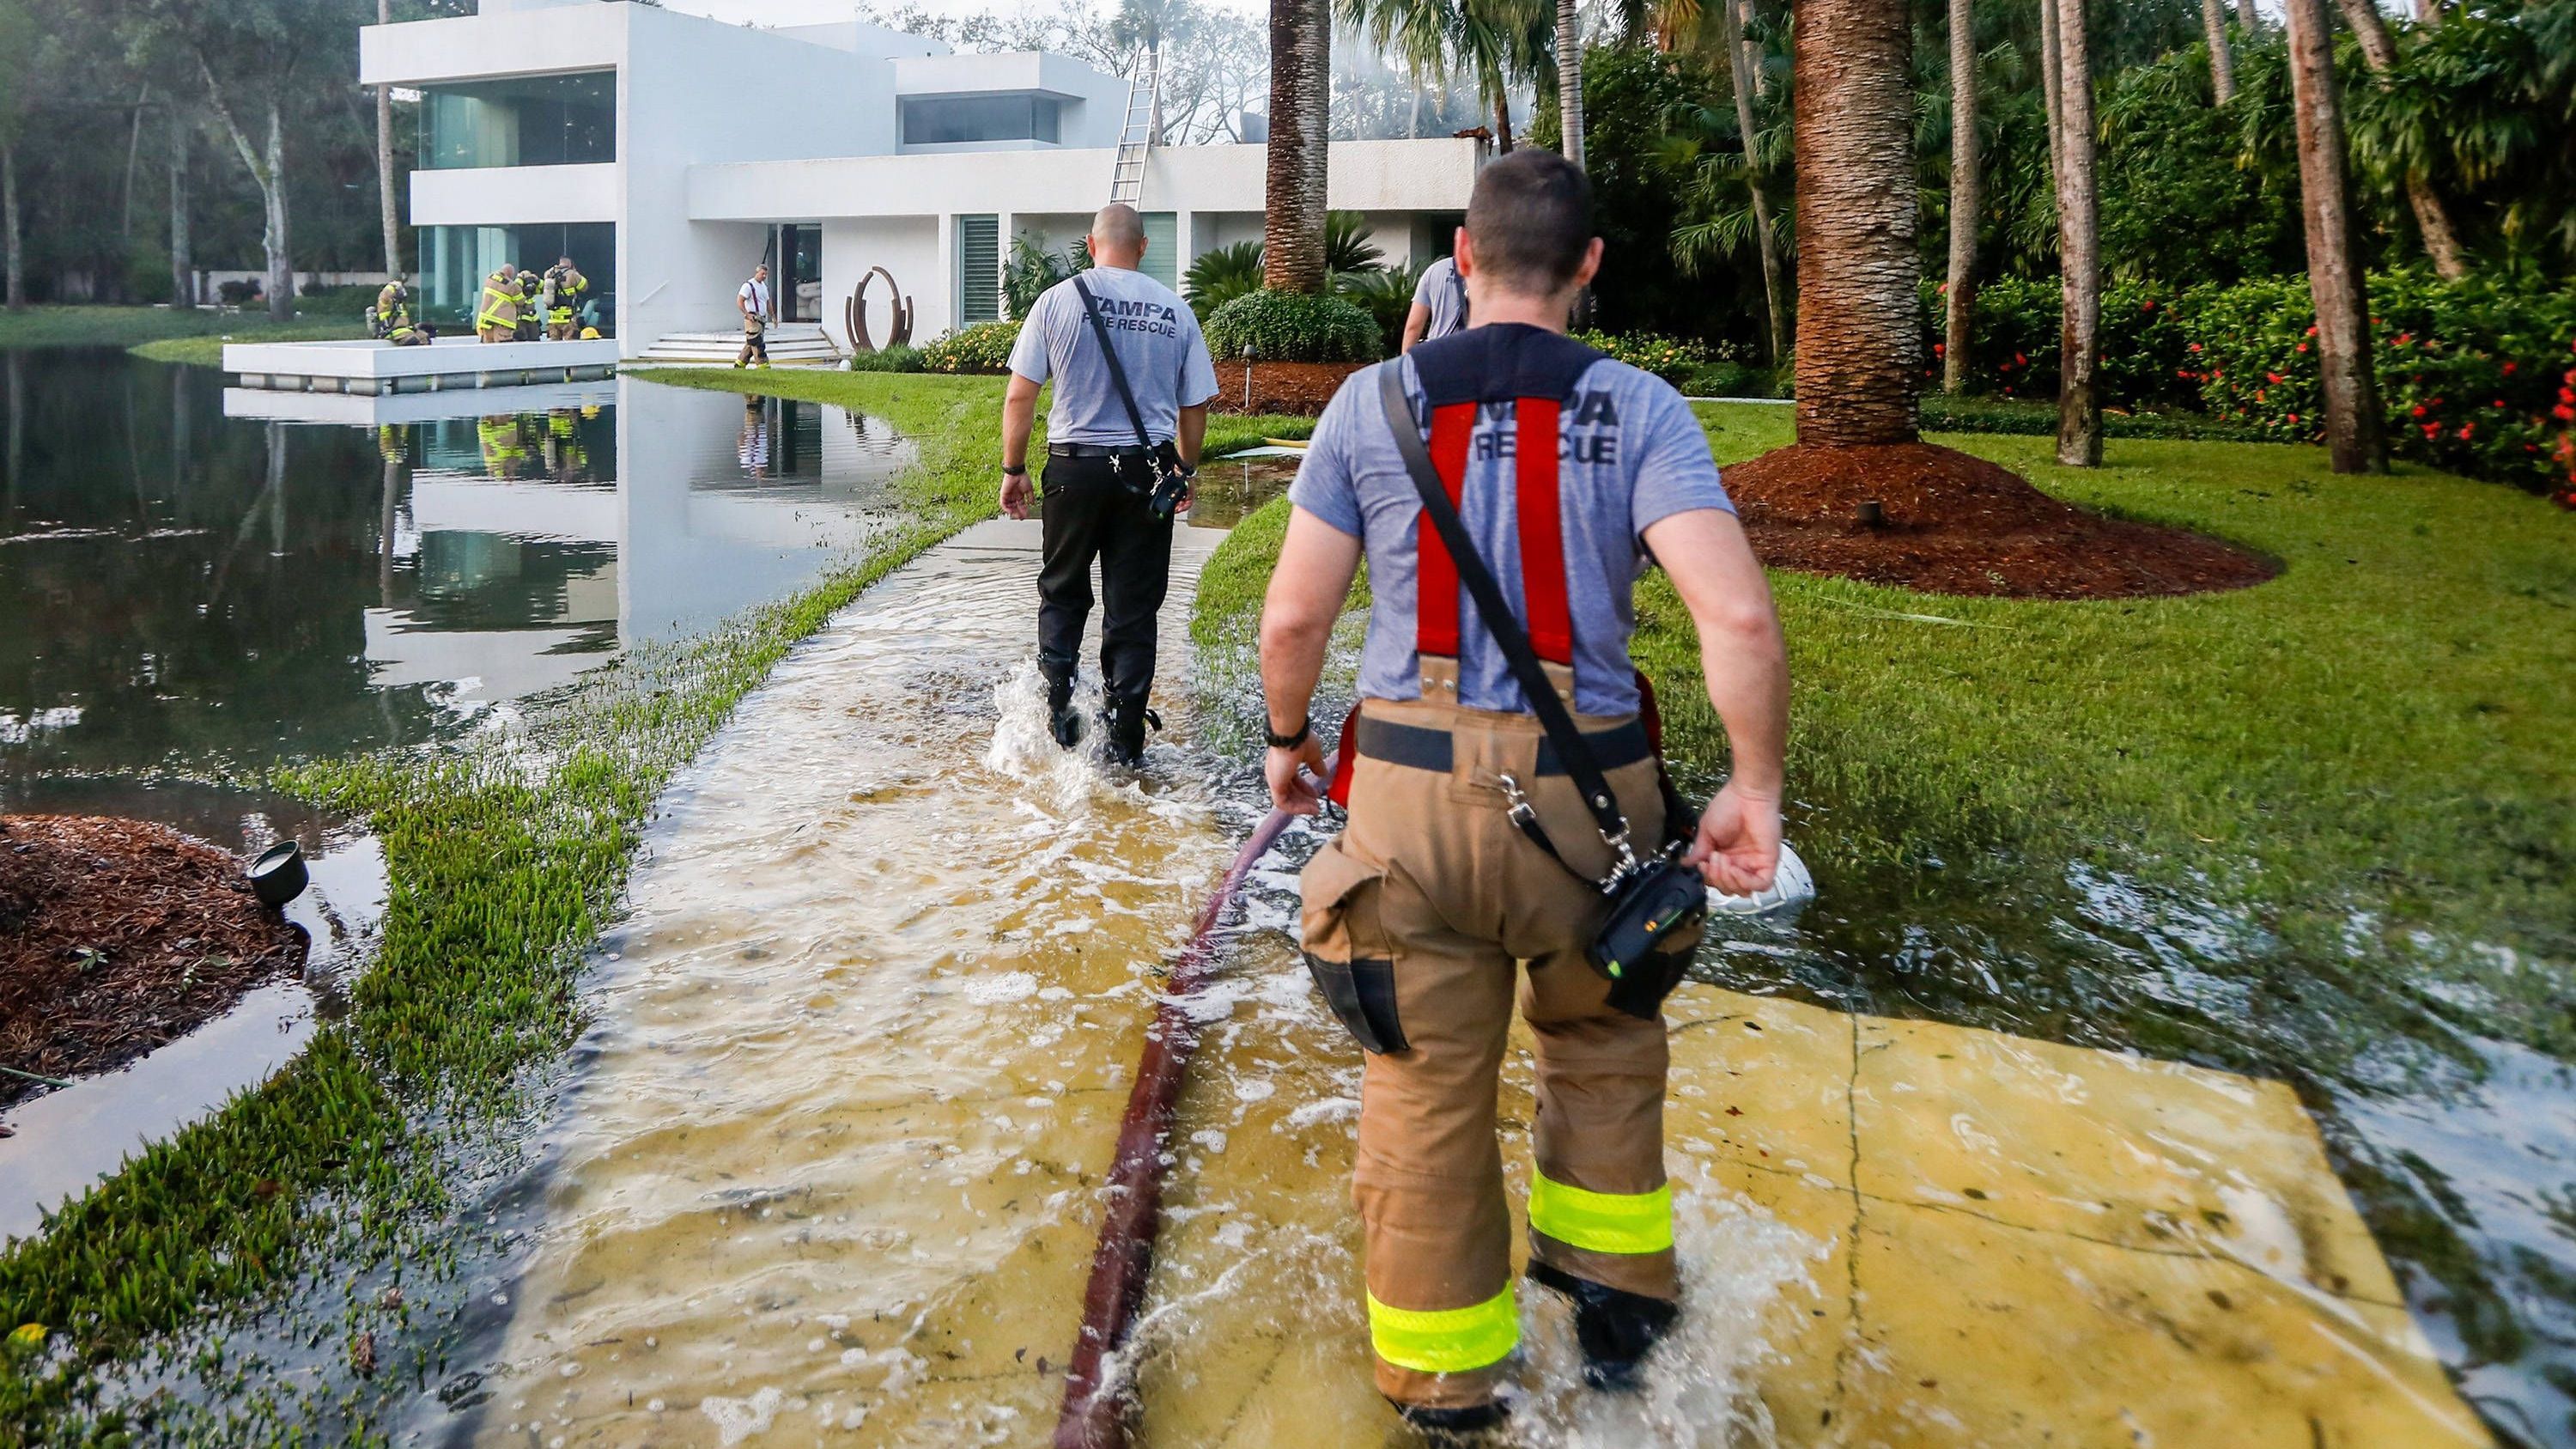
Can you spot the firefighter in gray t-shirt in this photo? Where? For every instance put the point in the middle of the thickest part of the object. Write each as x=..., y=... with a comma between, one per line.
x=1099, y=474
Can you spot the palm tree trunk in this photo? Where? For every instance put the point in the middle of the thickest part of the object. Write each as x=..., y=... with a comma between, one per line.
x=2432, y=218
x=1859, y=345
x=1775, y=307
x=2222, y=62
x=390, y=214
x=183, y=265
x=2079, y=247
x=2050, y=69
x=2354, y=439
x=1502, y=116
x=17, y=261
x=1301, y=73
x=1967, y=196
x=1569, y=81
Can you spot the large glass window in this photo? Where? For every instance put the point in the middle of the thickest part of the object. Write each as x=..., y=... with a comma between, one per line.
x=948, y=120
x=454, y=260
x=538, y=120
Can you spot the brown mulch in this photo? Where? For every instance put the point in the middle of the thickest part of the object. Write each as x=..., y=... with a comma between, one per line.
x=117, y=936
x=1297, y=388
x=1953, y=524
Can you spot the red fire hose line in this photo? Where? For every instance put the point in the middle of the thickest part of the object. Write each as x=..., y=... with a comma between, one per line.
x=1095, y=1414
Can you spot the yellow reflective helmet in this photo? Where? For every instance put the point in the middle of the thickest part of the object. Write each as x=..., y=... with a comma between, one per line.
x=590, y=334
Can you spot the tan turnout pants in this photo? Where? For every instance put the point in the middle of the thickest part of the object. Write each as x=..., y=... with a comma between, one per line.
x=496, y=333
x=1433, y=893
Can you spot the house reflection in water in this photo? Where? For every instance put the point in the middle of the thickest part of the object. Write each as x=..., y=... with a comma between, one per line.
x=225, y=578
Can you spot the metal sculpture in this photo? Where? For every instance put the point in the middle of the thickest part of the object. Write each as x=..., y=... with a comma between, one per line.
x=899, y=324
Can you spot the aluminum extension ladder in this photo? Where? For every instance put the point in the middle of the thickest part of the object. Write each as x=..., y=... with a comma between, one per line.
x=1135, y=136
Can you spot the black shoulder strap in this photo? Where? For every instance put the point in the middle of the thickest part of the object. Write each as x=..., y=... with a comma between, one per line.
x=1458, y=285
x=1497, y=612
x=1117, y=372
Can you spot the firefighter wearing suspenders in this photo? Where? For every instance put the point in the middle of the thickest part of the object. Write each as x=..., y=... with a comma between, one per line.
x=565, y=284
x=1469, y=854
x=496, y=319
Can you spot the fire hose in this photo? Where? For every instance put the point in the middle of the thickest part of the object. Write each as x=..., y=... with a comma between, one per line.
x=1096, y=1404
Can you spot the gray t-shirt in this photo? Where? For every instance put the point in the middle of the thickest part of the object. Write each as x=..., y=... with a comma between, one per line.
x=1157, y=338
x=1440, y=291
x=1633, y=455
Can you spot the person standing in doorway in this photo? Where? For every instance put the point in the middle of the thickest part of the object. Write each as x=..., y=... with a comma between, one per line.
x=1470, y=848
x=1100, y=476
x=753, y=301
x=1439, y=304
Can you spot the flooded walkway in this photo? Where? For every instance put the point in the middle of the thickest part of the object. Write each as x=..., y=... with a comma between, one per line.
x=831, y=1174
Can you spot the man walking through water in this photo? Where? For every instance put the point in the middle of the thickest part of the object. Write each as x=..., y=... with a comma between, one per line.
x=1470, y=848
x=1100, y=476
x=751, y=299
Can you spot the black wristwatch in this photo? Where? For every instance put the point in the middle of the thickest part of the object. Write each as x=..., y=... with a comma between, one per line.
x=1305, y=727
x=1015, y=470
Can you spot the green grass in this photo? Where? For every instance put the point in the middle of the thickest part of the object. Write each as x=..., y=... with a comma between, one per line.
x=161, y=333
x=504, y=863
x=2382, y=729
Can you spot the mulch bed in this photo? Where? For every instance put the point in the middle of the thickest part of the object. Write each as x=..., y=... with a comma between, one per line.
x=117, y=936
x=1296, y=388
x=1953, y=524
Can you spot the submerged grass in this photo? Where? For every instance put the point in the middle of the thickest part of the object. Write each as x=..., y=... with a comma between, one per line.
x=2372, y=743
x=505, y=856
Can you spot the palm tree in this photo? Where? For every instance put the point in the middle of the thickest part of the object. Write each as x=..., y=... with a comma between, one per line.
x=2222, y=63
x=1569, y=81
x=1503, y=42
x=2079, y=246
x=1301, y=77
x=1966, y=194
x=1853, y=134
x=1743, y=60
x=2432, y=218
x=385, y=158
x=2353, y=437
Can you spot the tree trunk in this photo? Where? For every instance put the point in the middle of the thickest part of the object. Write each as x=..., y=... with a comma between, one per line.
x=183, y=266
x=17, y=261
x=2353, y=425
x=392, y=215
x=1301, y=75
x=1739, y=59
x=2049, y=74
x=281, y=272
x=1967, y=196
x=1569, y=82
x=133, y=155
x=1859, y=345
x=1502, y=118
x=2079, y=248
x=2432, y=218
x=2222, y=62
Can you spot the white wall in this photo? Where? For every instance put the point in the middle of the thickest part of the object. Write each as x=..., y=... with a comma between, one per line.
x=908, y=247
x=514, y=195
x=682, y=103
x=542, y=41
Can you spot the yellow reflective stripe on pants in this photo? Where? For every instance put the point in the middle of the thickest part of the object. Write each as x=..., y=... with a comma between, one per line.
x=1602, y=1222
x=1446, y=1340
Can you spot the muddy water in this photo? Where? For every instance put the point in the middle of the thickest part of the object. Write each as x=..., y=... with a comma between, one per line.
x=863, y=1049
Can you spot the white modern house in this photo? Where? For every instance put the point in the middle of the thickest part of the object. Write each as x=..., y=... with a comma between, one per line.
x=669, y=148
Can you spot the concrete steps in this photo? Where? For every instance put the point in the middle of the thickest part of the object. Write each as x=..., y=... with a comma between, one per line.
x=791, y=344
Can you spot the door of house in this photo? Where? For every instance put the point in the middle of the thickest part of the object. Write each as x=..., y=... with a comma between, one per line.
x=798, y=271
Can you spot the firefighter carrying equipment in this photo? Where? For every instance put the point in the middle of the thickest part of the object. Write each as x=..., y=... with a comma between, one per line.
x=1654, y=899
x=500, y=307
x=1431, y=842
x=564, y=305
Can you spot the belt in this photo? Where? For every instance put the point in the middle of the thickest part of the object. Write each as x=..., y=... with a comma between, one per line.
x=1420, y=748
x=1095, y=450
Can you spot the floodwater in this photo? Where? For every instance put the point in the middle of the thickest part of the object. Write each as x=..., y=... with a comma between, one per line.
x=202, y=581
x=831, y=1169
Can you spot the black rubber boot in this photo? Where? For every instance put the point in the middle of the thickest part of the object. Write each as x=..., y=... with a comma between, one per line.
x=1617, y=1329
x=1454, y=1428
x=1063, y=720
x=1126, y=720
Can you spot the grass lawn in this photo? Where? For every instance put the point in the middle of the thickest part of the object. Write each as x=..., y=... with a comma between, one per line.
x=2381, y=730
x=162, y=333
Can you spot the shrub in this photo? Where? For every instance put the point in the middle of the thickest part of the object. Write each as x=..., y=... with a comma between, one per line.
x=2476, y=376
x=1220, y=276
x=1033, y=269
x=239, y=292
x=984, y=347
x=1670, y=358
x=1386, y=294
x=1290, y=327
x=1725, y=379
x=890, y=359
x=2031, y=418
x=2014, y=333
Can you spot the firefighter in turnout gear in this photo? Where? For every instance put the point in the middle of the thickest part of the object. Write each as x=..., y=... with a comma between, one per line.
x=497, y=318
x=390, y=319
x=532, y=316
x=1470, y=875
x=564, y=286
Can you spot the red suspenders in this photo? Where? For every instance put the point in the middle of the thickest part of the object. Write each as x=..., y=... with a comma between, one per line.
x=1542, y=529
